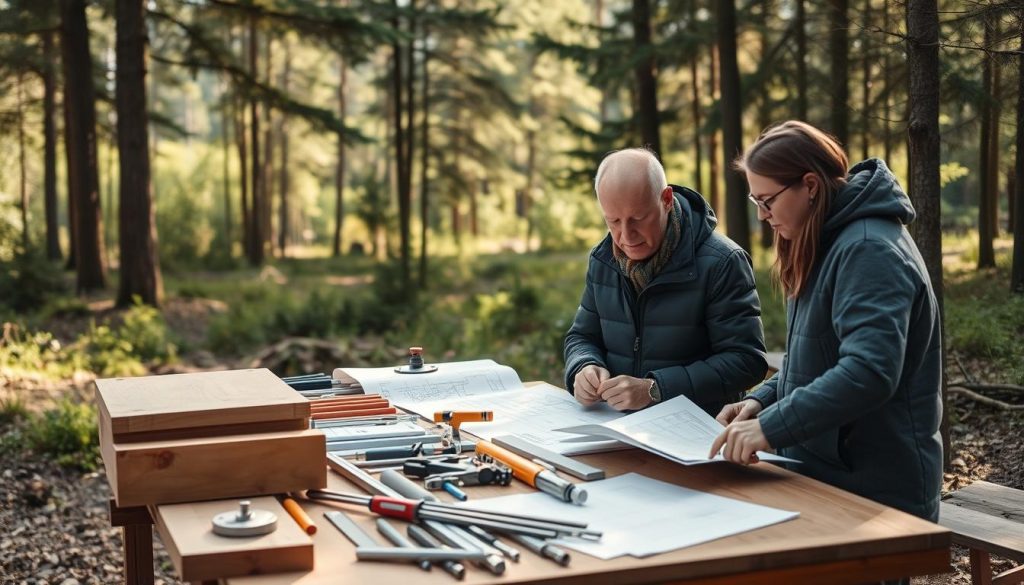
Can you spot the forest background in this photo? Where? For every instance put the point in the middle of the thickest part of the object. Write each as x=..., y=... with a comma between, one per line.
x=305, y=184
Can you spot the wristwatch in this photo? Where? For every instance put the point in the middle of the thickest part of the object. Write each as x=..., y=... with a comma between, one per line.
x=654, y=392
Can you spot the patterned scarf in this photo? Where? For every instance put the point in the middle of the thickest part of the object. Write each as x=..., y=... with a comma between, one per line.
x=641, y=272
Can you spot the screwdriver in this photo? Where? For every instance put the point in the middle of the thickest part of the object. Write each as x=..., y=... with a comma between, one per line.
x=534, y=475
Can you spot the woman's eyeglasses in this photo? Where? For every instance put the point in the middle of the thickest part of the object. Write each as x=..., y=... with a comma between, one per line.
x=766, y=203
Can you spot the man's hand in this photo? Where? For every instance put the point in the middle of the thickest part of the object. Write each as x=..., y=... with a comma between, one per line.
x=740, y=442
x=626, y=392
x=737, y=411
x=586, y=383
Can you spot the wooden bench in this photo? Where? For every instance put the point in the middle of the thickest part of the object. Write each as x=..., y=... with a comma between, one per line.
x=988, y=519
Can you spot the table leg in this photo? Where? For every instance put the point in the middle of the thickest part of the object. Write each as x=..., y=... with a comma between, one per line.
x=981, y=567
x=138, y=554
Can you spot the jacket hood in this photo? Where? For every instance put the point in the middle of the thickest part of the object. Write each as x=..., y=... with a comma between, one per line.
x=698, y=222
x=871, y=191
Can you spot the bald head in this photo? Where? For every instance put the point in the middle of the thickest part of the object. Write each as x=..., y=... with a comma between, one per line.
x=635, y=199
x=628, y=171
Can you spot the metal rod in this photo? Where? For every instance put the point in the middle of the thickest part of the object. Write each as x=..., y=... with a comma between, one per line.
x=392, y=534
x=365, y=553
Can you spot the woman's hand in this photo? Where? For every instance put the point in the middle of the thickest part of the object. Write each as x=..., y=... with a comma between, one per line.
x=737, y=411
x=740, y=442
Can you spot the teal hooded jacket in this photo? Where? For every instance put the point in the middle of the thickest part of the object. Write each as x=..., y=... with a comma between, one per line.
x=695, y=328
x=857, y=400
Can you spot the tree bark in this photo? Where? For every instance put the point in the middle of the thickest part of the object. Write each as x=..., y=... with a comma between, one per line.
x=242, y=142
x=987, y=195
x=71, y=178
x=140, y=263
x=1017, y=272
x=839, y=47
x=732, y=133
x=801, y=59
x=401, y=166
x=993, y=147
x=283, y=178
x=22, y=171
x=644, y=70
x=923, y=151
x=226, y=116
x=865, y=104
x=713, y=172
x=255, y=245
x=80, y=102
x=339, y=169
x=50, y=148
x=698, y=172
x=424, y=157
x=269, y=144
x=764, y=113
x=886, y=109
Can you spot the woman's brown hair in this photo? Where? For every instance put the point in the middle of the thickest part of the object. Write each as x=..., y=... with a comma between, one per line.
x=786, y=152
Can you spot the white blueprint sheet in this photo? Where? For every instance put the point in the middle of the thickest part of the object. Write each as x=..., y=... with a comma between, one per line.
x=531, y=414
x=451, y=380
x=676, y=429
x=640, y=516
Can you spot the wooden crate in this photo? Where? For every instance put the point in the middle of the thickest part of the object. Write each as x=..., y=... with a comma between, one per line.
x=202, y=404
x=210, y=435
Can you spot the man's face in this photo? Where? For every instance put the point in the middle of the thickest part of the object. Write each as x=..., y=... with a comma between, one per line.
x=635, y=218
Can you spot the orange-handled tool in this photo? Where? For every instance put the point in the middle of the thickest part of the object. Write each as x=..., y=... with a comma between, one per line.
x=534, y=475
x=300, y=515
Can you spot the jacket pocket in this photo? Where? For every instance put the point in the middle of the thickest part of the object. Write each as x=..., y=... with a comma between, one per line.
x=825, y=446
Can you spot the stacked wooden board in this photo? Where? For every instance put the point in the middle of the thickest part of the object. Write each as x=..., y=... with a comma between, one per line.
x=204, y=436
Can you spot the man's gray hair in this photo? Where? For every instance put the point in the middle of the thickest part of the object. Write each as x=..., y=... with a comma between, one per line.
x=655, y=172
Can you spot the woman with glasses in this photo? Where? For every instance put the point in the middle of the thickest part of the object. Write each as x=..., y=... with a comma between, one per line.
x=857, y=400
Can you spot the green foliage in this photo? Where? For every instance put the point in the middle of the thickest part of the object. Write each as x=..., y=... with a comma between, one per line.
x=985, y=322
x=145, y=330
x=68, y=434
x=28, y=280
x=24, y=352
x=12, y=410
x=108, y=354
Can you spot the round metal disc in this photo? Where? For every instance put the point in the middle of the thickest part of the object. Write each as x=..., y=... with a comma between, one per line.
x=259, y=522
x=426, y=369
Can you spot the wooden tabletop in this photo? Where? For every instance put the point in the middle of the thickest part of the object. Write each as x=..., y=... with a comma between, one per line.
x=839, y=538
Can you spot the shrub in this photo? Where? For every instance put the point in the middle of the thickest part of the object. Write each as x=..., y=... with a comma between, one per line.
x=68, y=434
x=12, y=410
x=29, y=280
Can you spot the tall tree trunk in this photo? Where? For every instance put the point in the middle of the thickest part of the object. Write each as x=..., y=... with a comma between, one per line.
x=1017, y=273
x=242, y=142
x=603, y=108
x=886, y=109
x=993, y=159
x=646, y=114
x=764, y=113
x=474, y=193
x=801, y=59
x=987, y=196
x=424, y=156
x=255, y=245
x=140, y=264
x=839, y=47
x=401, y=166
x=80, y=101
x=865, y=104
x=339, y=169
x=282, y=229
x=923, y=152
x=269, y=144
x=698, y=172
x=50, y=148
x=22, y=172
x=713, y=171
x=731, y=107
x=226, y=116
x=71, y=178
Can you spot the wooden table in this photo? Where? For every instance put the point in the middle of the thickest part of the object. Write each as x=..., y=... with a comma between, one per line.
x=838, y=539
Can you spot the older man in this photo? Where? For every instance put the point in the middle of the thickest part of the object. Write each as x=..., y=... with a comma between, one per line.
x=669, y=307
